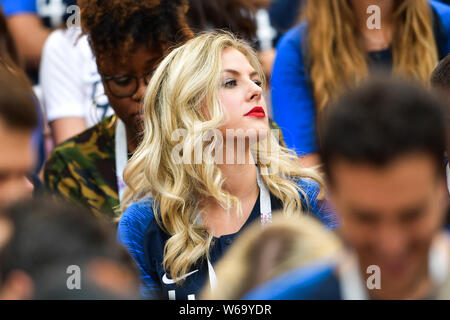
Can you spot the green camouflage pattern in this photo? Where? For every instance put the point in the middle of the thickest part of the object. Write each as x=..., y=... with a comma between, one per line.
x=83, y=170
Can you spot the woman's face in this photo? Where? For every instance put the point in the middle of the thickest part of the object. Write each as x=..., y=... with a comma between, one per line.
x=139, y=64
x=242, y=96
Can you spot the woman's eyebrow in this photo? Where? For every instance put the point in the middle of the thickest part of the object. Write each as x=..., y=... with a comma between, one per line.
x=235, y=72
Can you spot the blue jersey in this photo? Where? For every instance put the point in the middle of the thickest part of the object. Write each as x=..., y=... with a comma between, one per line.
x=141, y=234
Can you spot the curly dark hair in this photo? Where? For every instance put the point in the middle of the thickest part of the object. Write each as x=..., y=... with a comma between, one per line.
x=116, y=28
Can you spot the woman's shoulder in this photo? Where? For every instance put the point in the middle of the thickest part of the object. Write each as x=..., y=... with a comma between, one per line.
x=139, y=212
x=294, y=37
x=318, y=206
x=98, y=139
x=310, y=187
x=135, y=220
x=290, y=57
x=441, y=13
x=442, y=9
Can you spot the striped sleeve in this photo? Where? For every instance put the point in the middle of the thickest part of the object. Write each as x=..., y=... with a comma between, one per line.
x=320, y=208
x=131, y=233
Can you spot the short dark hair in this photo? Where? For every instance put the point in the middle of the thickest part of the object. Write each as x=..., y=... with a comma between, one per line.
x=50, y=235
x=381, y=120
x=440, y=78
x=18, y=107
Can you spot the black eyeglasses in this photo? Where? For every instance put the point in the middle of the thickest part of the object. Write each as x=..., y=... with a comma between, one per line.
x=126, y=85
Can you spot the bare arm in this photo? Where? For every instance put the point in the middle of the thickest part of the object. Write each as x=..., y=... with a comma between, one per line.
x=29, y=36
x=65, y=128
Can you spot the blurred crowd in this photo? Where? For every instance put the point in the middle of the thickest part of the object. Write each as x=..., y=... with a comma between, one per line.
x=344, y=188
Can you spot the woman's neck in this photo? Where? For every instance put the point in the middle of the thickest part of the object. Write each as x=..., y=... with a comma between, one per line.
x=238, y=169
x=240, y=181
x=133, y=138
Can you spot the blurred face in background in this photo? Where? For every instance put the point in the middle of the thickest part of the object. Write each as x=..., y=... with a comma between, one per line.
x=124, y=91
x=16, y=163
x=390, y=216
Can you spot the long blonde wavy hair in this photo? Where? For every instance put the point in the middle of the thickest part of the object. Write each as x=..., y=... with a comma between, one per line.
x=338, y=61
x=186, y=81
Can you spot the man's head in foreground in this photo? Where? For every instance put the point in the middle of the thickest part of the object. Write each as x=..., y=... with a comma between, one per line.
x=382, y=147
x=54, y=250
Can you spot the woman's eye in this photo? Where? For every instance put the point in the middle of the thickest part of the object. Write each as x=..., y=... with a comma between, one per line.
x=122, y=81
x=229, y=83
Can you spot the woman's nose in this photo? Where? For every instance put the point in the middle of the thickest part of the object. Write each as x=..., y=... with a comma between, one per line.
x=255, y=91
x=142, y=86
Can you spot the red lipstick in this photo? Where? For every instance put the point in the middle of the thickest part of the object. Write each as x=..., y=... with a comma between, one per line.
x=257, y=112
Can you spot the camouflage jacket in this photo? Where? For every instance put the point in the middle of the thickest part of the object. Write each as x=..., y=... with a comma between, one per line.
x=83, y=170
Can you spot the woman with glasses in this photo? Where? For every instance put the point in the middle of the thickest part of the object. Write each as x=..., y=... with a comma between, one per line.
x=128, y=39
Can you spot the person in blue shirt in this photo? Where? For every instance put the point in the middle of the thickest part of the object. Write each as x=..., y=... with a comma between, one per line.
x=283, y=15
x=334, y=49
x=382, y=146
x=207, y=166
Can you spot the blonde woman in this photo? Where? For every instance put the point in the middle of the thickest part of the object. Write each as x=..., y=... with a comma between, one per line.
x=338, y=44
x=181, y=216
x=261, y=254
